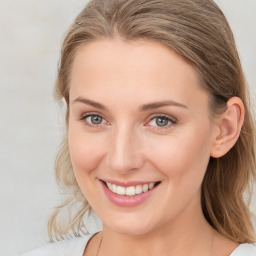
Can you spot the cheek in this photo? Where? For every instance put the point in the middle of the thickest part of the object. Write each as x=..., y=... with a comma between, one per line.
x=183, y=154
x=183, y=160
x=85, y=150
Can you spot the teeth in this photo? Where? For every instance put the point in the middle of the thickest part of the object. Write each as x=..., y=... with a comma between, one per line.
x=120, y=190
x=109, y=185
x=114, y=188
x=138, y=189
x=145, y=188
x=130, y=191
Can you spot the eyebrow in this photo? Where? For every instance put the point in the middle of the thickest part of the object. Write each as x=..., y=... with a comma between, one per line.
x=160, y=104
x=89, y=102
x=144, y=107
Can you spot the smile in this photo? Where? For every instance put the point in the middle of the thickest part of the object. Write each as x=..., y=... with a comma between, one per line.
x=132, y=190
x=128, y=194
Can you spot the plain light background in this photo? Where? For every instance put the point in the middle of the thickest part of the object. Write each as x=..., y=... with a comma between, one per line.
x=31, y=123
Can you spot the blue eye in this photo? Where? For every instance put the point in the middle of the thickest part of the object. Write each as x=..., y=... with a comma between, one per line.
x=162, y=121
x=93, y=120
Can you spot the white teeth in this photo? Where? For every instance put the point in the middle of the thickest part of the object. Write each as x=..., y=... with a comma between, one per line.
x=109, y=185
x=130, y=191
x=138, y=189
x=120, y=190
x=145, y=188
x=114, y=188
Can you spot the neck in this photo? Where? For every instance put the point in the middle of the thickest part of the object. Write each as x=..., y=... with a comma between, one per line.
x=187, y=234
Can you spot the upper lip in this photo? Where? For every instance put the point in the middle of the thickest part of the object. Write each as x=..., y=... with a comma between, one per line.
x=127, y=183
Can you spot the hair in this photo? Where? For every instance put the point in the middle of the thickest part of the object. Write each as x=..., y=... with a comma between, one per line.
x=198, y=31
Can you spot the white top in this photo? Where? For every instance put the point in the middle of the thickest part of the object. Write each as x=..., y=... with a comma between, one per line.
x=76, y=246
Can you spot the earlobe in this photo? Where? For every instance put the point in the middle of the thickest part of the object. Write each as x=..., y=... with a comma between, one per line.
x=229, y=126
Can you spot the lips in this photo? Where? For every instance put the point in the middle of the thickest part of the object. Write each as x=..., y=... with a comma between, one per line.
x=128, y=194
x=131, y=190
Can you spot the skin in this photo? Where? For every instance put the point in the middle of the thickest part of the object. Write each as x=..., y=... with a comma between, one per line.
x=129, y=145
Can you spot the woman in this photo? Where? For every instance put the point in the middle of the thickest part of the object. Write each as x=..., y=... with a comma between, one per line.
x=160, y=138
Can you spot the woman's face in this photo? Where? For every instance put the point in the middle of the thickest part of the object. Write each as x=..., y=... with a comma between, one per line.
x=139, y=123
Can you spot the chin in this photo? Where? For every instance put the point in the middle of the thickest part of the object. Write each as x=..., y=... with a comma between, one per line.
x=134, y=227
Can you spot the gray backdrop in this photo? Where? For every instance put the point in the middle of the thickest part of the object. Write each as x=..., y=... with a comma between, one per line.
x=32, y=124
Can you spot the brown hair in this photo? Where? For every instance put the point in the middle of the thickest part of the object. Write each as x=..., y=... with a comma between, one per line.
x=198, y=31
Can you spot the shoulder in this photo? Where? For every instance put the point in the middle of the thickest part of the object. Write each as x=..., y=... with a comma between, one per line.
x=73, y=246
x=244, y=250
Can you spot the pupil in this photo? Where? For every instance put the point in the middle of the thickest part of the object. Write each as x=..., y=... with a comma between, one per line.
x=96, y=119
x=161, y=121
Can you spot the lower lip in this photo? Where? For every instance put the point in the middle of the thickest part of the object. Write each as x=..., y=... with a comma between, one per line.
x=127, y=201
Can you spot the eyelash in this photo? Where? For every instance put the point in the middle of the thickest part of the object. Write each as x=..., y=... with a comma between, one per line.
x=171, y=120
x=167, y=117
x=83, y=118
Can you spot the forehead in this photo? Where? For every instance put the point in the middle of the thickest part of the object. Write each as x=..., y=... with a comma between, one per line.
x=140, y=55
x=117, y=69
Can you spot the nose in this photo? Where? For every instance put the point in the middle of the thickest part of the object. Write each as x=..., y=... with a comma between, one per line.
x=125, y=152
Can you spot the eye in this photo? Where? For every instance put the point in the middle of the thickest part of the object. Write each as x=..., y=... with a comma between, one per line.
x=162, y=121
x=93, y=120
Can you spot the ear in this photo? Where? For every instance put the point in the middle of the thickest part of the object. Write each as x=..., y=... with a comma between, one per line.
x=228, y=127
